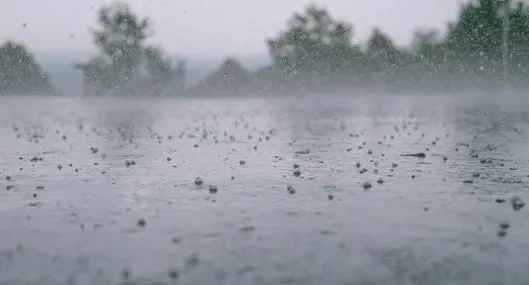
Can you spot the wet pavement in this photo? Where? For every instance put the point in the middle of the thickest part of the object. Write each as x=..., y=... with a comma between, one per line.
x=295, y=191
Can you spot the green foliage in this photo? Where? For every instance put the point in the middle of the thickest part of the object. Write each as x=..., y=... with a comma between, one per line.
x=313, y=42
x=157, y=63
x=430, y=49
x=519, y=38
x=120, y=40
x=382, y=54
x=314, y=48
x=476, y=38
x=124, y=57
x=19, y=71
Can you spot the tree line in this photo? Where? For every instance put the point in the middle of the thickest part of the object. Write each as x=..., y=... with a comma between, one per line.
x=317, y=49
x=314, y=52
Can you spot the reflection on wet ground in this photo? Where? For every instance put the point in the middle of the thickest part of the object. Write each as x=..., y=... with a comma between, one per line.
x=380, y=190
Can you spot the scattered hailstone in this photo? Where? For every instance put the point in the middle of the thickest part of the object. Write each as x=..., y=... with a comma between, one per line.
x=517, y=203
x=199, y=181
x=291, y=189
x=213, y=189
x=305, y=151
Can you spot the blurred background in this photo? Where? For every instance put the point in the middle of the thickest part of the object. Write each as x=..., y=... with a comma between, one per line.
x=194, y=47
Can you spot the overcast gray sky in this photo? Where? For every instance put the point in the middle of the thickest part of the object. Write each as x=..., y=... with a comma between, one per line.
x=218, y=27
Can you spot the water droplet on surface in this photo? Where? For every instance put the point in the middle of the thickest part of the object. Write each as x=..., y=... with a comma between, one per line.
x=517, y=203
x=246, y=229
x=176, y=240
x=213, y=189
x=173, y=274
x=500, y=200
x=125, y=274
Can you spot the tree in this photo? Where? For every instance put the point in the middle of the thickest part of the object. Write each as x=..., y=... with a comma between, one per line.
x=124, y=57
x=383, y=55
x=429, y=48
x=519, y=39
x=422, y=38
x=157, y=63
x=120, y=39
x=230, y=74
x=313, y=43
x=20, y=73
x=476, y=39
x=432, y=59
